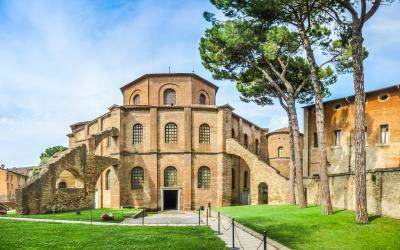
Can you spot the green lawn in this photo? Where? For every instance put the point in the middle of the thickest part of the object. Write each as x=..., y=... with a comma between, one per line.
x=40, y=235
x=119, y=215
x=309, y=229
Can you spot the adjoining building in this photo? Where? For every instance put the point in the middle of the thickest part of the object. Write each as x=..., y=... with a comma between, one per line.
x=10, y=181
x=382, y=136
x=169, y=146
x=279, y=150
x=27, y=171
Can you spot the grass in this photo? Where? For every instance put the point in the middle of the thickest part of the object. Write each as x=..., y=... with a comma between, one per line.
x=119, y=215
x=41, y=235
x=309, y=229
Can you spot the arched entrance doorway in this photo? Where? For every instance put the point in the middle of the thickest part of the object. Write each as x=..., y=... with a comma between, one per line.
x=107, y=189
x=262, y=193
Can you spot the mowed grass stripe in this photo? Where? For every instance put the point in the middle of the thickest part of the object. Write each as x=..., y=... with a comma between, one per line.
x=39, y=235
x=309, y=229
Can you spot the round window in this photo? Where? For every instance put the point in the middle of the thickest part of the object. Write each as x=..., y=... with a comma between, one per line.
x=383, y=97
x=337, y=106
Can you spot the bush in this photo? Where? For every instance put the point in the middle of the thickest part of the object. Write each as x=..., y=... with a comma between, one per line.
x=107, y=217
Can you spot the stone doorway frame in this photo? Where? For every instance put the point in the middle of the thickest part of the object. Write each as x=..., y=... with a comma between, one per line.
x=173, y=189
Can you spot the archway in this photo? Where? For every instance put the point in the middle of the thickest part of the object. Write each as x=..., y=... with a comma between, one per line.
x=107, y=189
x=69, y=179
x=262, y=193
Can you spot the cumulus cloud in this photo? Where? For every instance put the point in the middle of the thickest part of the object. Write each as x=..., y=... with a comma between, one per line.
x=64, y=61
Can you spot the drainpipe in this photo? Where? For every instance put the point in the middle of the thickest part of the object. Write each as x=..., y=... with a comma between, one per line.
x=350, y=136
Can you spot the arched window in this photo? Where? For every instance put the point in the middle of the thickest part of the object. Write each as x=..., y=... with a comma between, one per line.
x=202, y=99
x=257, y=146
x=171, y=133
x=137, y=178
x=169, y=97
x=246, y=140
x=204, y=134
x=204, y=177
x=280, y=152
x=137, y=134
x=233, y=134
x=233, y=179
x=62, y=185
x=136, y=100
x=170, y=177
x=245, y=179
x=108, y=179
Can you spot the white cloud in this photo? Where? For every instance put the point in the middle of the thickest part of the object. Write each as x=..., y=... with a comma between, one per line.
x=64, y=61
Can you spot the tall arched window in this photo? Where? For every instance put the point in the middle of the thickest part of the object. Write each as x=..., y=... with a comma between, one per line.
x=233, y=134
x=204, y=177
x=280, y=152
x=245, y=179
x=204, y=134
x=170, y=177
x=246, y=140
x=108, y=179
x=202, y=99
x=171, y=133
x=169, y=97
x=62, y=184
x=257, y=146
x=136, y=100
x=137, y=178
x=233, y=179
x=137, y=134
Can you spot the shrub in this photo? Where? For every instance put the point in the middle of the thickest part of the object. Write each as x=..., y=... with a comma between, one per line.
x=107, y=217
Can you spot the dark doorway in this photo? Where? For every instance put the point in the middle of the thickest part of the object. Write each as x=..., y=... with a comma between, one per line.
x=170, y=199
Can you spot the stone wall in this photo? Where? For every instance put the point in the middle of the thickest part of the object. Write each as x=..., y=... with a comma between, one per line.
x=383, y=191
x=42, y=195
x=278, y=185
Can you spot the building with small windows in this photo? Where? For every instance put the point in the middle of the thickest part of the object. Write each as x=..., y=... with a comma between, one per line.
x=10, y=181
x=382, y=137
x=279, y=150
x=168, y=146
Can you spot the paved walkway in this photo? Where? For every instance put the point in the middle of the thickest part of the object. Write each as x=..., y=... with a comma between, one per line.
x=245, y=238
x=166, y=218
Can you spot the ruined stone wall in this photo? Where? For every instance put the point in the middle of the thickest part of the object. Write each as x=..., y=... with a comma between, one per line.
x=383, y=191
x=39, y=196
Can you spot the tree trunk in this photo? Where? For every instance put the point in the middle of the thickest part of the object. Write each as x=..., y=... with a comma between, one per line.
x=359, y=120
x=292, y=169
x=297, y=153
x=319, y=113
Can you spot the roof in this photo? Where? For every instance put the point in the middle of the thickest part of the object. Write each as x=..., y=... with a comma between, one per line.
x=368, y=93
x=281, y=130
x=18, y=171
x=284, y=130
x=78, y=124
x=172, y=75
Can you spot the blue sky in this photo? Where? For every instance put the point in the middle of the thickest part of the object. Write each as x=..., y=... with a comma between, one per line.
x=64, y=61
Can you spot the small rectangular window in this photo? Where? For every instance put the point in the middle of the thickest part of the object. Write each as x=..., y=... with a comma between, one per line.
x=338, y=135
x=315, y=140
x=385, y=134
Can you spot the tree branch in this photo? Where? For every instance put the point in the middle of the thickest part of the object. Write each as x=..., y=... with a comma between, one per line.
x=284, y=106
x=373, y=9
x=274, y=84
x=347, y=5
x=329, y=61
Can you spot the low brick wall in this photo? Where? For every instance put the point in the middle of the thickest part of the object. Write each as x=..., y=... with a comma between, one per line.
x=383, y=191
